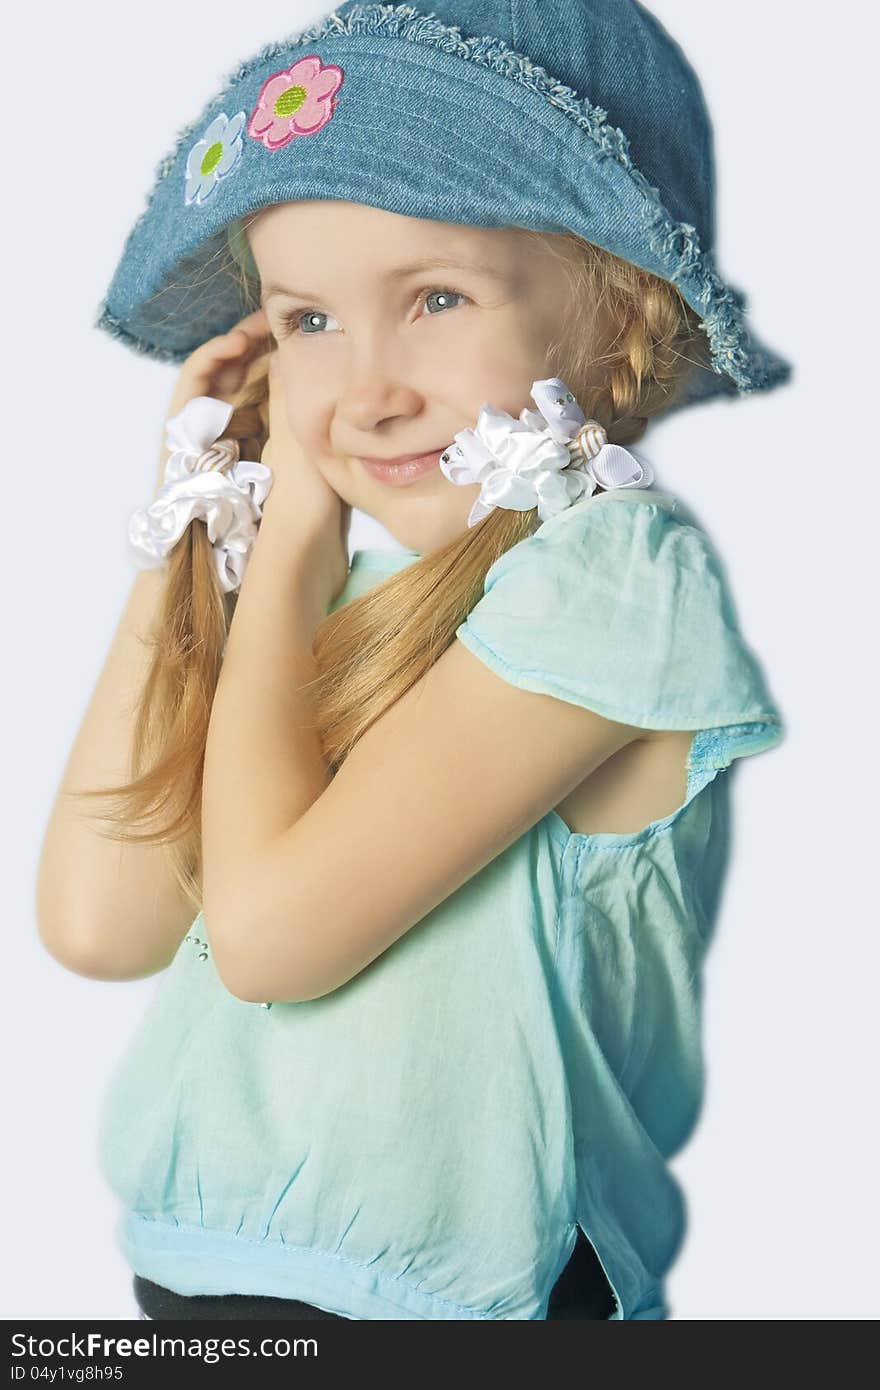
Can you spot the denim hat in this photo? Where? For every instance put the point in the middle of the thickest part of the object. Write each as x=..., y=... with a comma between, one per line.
x=568, y=115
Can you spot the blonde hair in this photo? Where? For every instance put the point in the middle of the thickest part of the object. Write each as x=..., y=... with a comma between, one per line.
x=643, y=342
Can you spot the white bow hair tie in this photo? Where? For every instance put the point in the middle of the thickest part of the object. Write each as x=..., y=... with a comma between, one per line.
x=549, y=458
x=204, y=478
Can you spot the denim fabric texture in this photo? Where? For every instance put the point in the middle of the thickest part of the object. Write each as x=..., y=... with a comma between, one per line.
x=425, y=1142
x=579, y=115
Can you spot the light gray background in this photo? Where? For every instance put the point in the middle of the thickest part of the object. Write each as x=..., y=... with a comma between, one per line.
x=781, y=1174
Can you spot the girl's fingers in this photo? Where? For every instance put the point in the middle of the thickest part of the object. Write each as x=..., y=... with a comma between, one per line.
x=219, y=366
x=249, y=334
x=255, y=326
x=232, y=347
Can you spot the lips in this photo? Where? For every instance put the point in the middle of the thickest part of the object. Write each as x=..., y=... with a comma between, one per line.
x=404, y=458
x=401, y=472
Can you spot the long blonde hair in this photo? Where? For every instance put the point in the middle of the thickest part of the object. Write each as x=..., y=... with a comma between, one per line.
x=644, y=342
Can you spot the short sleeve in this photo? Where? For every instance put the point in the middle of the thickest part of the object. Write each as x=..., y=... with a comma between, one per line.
x=620, y=606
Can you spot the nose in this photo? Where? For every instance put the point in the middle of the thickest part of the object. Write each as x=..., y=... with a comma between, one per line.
x=373, y=399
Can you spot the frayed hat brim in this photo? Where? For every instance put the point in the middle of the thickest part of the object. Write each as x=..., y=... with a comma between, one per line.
x=506, y=145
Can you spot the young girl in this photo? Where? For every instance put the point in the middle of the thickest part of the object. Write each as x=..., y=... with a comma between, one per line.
x=428, y=831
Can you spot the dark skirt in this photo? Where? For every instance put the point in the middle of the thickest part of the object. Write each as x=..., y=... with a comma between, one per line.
x=581, y=1291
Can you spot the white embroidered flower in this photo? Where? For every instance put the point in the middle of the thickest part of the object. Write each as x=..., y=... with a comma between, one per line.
x=213, y=157
x=198, y=482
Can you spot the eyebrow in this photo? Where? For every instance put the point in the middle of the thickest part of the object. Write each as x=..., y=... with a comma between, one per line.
x=272, y=288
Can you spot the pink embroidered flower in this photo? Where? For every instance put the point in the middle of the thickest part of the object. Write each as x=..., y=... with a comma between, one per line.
x=295, y=101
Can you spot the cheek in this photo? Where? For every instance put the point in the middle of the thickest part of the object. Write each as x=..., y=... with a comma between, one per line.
x=503, y=366
x=304, y=413
x=340, y=476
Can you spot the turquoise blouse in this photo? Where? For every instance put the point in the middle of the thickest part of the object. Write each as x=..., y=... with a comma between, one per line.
x=424, y=1141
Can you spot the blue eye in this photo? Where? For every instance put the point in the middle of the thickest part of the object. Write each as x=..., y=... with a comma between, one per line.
x=301, y=322
x=305, y=317
x=441, y=294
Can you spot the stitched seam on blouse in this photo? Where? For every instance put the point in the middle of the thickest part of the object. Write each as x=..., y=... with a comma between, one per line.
x=560, y=900
x=328, y=1254
x=556, y=988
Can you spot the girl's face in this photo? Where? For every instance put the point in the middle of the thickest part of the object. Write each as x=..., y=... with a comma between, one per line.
x=386, y=348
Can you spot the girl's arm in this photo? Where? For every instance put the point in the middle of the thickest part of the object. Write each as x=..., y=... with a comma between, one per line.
x=307, y=879
x=105, y=909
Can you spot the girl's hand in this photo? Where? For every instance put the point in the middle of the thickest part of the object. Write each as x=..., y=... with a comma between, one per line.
x=219, y=367
x=302, y=511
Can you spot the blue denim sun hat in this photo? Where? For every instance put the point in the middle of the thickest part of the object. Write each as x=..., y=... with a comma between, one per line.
x=569, y=115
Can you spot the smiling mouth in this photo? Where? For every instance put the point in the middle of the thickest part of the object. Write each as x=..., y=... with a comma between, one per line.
x=399, y=473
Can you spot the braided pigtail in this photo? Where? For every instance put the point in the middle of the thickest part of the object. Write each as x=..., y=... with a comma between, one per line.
x=161, y=803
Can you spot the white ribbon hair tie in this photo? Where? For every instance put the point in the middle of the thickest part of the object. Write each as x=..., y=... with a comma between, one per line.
x=549, y=458
x=204, y=479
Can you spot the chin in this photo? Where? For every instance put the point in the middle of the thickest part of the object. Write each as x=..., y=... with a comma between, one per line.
x=425, y=541
x=420, y=521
